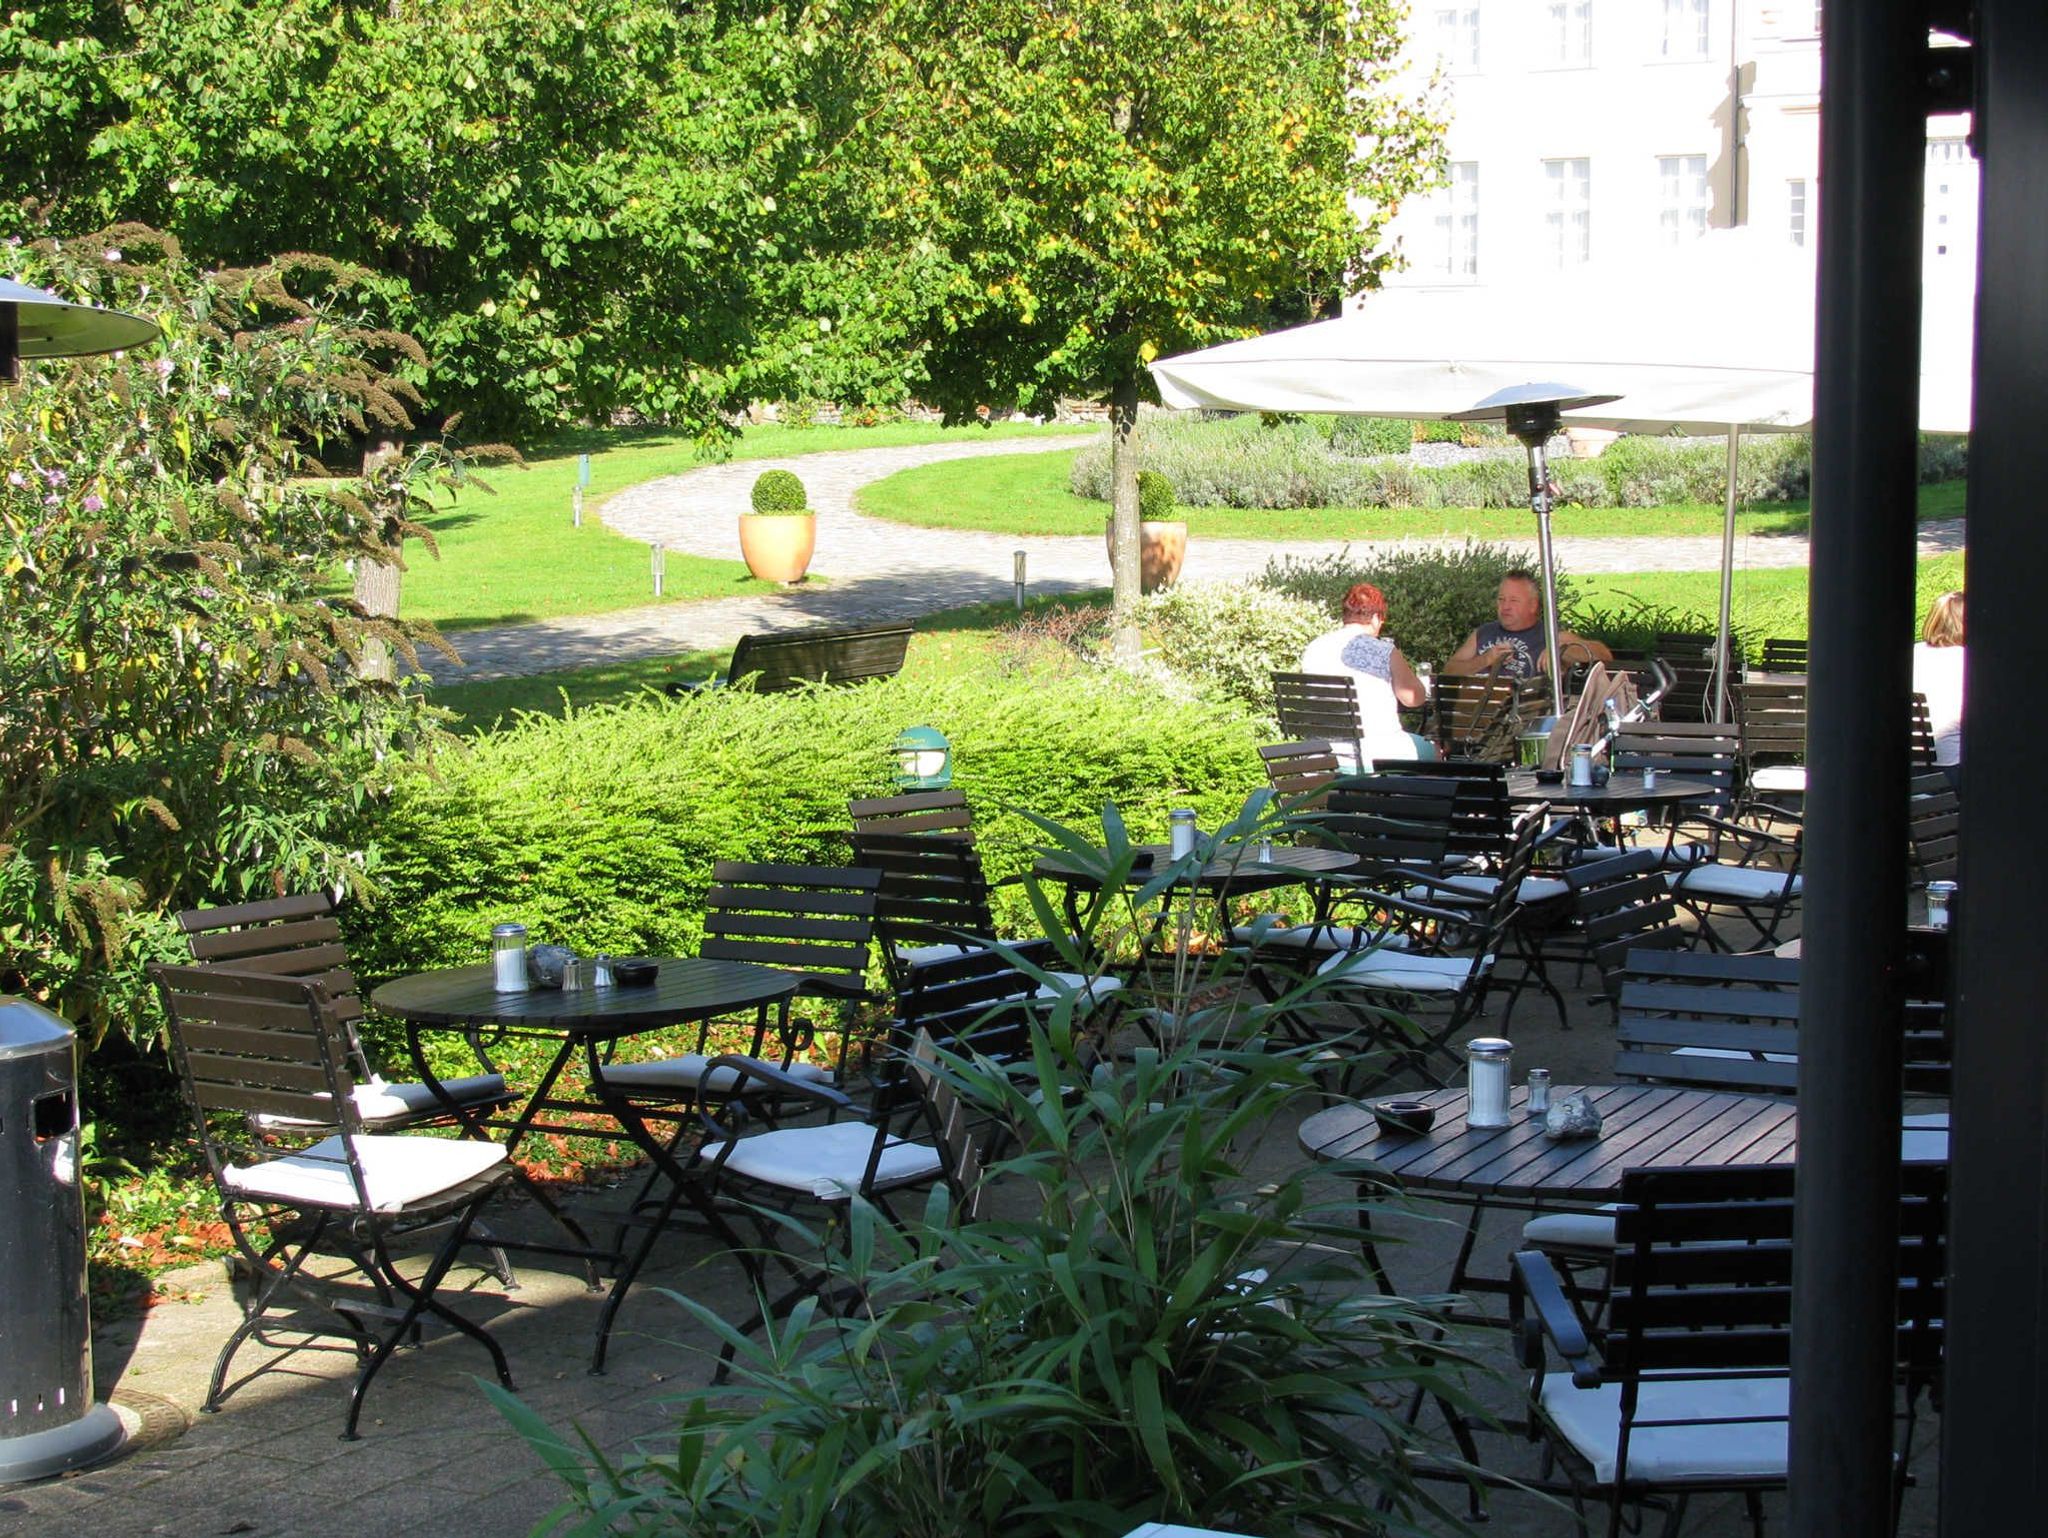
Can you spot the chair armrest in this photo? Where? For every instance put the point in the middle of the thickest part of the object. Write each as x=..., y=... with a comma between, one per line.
x=1406, y=906
x=1537, y=1286
x=779, y=1081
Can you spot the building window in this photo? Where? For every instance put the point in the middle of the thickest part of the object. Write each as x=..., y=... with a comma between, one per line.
x=1681, y=197
x=1457, y=223
x=1457, y=30
x=1685, y=29
x=1571, y=34
x=1795, y=210
x=1568, y=215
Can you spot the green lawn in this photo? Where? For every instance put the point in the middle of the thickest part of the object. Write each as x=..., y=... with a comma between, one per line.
x=1766, y=603
x=947, y=642
x=1029, y=495
x=515, y=556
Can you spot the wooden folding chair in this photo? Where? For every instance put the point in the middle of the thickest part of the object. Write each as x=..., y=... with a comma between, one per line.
x=259, y=1044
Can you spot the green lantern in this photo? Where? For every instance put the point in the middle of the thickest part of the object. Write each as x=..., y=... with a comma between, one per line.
x=924, y=759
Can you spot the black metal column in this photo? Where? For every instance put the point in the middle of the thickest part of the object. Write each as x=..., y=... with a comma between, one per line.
x=1995, y=1412
x=1865, y=462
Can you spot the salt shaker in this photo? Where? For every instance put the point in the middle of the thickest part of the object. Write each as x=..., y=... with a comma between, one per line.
x=1263, y=850
x=1181, y=822
x=1582, y=765
x=1939, y=895
x=508, y=958
x=1488, y=1061
x=1649, y=777
x=1539, y=1091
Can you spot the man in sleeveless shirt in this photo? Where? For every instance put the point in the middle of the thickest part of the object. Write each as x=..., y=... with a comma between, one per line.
x=1511, y=644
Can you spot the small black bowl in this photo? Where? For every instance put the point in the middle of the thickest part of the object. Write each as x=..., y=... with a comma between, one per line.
x=1549, y=776
x=1411, y=1118
x=634, y=973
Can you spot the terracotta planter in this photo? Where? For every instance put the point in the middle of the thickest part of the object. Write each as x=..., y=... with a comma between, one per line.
x=1162, y=547
x=777, y=546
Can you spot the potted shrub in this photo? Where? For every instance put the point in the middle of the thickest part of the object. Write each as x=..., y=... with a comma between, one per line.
x=778, y=536
x=1162, y=539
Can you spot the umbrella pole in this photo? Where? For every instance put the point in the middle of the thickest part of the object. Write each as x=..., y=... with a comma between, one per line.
x=1539, y=500
x=1727, y=627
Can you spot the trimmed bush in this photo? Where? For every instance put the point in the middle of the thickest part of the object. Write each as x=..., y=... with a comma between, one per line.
x=598, y=829
x=779, y=491
x=1435, y=598
x=1155, y=497
x=1231, y=637
x=1654, y=472
x=1370, y=437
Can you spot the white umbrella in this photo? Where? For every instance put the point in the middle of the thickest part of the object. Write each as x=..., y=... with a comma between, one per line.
x=37, y=324
x=1716, y=335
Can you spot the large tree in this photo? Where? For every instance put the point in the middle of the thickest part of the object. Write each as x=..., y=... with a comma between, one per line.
x=1108, y=183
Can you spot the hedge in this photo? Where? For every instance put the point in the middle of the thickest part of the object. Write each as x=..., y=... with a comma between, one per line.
x=598, y=829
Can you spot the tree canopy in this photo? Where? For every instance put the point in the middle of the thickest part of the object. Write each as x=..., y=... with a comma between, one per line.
x=587, y=206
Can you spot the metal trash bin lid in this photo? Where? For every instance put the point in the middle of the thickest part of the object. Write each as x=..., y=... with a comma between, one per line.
x=29, y=1030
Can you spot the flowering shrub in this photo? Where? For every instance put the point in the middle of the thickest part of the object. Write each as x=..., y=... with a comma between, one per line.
x=1232, y=637
x=182, y=718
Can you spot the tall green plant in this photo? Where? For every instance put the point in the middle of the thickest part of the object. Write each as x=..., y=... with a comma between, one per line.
x=181, y=717
x=1160, y=1319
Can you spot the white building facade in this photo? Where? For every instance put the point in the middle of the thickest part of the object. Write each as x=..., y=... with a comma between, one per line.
x=1609, y=129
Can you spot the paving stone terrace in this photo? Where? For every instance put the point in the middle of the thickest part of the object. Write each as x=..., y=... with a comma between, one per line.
x=892, y=571
x=435, y=1457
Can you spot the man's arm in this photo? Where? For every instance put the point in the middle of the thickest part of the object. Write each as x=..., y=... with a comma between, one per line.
x=1576, y=648
x=1466, y=658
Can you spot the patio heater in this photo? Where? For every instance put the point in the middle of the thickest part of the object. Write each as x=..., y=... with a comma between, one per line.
x=37, y=324
x=1534, y=413
x=49, y=1421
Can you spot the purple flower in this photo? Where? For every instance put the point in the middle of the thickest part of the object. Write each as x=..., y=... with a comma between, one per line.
x=93, y=504
x=56, y=477
x=164, y=367
x=16, y=478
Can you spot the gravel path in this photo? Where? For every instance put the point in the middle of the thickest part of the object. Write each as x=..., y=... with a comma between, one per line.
x=881, y=571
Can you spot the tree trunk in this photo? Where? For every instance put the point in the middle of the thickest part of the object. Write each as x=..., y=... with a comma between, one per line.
x=376, y=590
x=1123, y=520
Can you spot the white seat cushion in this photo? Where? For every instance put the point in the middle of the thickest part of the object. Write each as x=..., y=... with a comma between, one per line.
x=1769, y=1057
x=824, y=1162
x=1535, y=889
x=1737, y=883
x=1781, y=778
x=1091, y=990
x=1323, y=939
x=686, y=1075
x=1590, y=1419
x=378, y=1101
x=397, y=1172
x=918, y=955
x=1397, y=971
x=1572, y=1230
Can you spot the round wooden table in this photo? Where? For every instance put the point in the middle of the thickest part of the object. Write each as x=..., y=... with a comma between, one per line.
x=1623, y=792
x=1237, y=871
x=1643, y=1124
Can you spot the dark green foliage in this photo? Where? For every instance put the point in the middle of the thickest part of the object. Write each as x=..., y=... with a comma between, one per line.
x=779, y=491
x=1370, y=437
x=1155, y=496
x=1944, y=457
x=1434, y=598
x=183, y=721
x=1655, y=472
x=599, y=829
x=1161, y=1315
x=1635, y=625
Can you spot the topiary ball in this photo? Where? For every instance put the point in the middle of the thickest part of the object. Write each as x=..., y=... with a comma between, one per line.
x=779, y=491
x=1155, y=497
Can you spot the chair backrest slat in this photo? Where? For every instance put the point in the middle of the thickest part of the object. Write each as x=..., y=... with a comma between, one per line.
x=1934, y=825
x=1317, y=705
x=1469, y=711
x=1771, y=713
x=256, y=1042
x=1920, y=728
x=1387, y=819
x=812, y=919
x=920, y=812
x=1783, y=655
x=1301, y=772
x=1746, y=1005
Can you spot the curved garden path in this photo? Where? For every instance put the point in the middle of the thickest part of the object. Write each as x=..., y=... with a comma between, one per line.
x=881, y=571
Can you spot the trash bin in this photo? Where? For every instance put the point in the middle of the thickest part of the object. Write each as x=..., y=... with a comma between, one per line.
x=48, y=1422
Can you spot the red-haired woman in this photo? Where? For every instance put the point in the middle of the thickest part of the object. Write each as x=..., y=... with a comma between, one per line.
x=1380, y=677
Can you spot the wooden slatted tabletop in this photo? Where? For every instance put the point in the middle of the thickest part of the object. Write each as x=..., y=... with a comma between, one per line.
x=686, y=988
x=1645, y=1124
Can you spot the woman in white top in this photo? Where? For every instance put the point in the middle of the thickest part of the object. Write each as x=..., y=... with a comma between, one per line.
x=1938, y=674
x=1380, y=677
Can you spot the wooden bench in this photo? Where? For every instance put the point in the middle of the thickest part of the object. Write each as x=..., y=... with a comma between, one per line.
x=789, y=659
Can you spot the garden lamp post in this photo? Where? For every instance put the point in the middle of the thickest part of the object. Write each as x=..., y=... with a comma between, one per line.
x=924, y=759
x=37, y=324
x=1534, y=413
